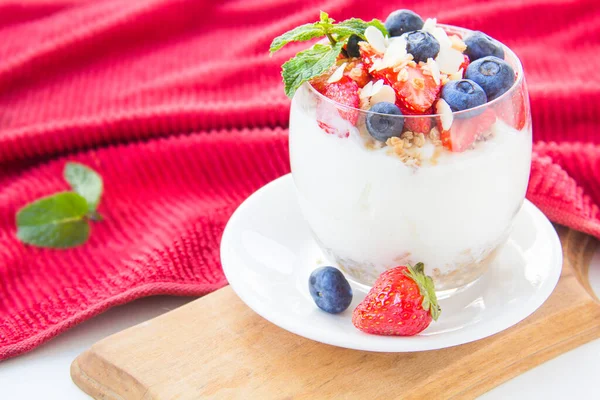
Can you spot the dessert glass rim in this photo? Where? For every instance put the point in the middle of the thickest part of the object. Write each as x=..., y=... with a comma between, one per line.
x=518, y=67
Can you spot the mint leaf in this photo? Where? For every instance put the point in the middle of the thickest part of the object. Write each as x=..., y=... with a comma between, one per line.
x=379, y=25
x=56, y=221
x=356, y=26
x=86, y=182
x=308, y=64
x=299, y=34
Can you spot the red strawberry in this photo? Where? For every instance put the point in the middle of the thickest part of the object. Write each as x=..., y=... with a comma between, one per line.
x=345, y=92
x=401, y=303
x=465, y=64
x=465, y=131
x=417, y=123
x=417, y=93
x=514, y=110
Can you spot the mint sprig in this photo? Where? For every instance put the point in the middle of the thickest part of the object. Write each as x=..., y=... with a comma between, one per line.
x=62, y=220
x=318, y=59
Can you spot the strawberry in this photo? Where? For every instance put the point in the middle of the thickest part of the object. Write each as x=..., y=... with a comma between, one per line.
x=345, y=92
x=465, y=131
x=401, y=303
x=416, y=123
x=513, y=110
x=417, y=93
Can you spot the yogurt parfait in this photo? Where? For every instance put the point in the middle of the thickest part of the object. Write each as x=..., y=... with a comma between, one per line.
x=410, y=142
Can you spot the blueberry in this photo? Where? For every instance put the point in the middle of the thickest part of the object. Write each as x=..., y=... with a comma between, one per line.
x=382, y=127
x=352, y=47
x=422, y=45
x=330, y=290
x=402, y=21
x=463, y=94
x=494, y=76
x=480, y=45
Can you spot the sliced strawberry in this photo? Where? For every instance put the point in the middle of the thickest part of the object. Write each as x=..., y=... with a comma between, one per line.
x=465, y=131
x=416, y=93
x=514, y=110
x=418, y=124
x=419, y=91
x=344, y=92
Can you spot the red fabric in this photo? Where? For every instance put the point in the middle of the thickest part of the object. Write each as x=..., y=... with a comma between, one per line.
x=178, y=106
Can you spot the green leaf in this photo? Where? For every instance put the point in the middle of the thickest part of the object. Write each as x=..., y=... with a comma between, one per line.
x=356, y=26
x=426, y=287
x=56, y=221
x=379, y=25
x=86, y=182
x=308, y=64
x=298, y=34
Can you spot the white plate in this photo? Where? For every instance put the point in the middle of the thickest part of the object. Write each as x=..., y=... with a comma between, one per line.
x=268, y=253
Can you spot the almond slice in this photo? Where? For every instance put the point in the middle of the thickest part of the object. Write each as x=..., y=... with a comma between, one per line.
x=337, y=75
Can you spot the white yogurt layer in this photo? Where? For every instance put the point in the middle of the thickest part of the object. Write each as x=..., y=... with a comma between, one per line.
x=371, y=212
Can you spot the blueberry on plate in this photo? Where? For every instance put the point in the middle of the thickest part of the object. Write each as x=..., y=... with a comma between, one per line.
x=494, y=76
x=385, y=121
x=330, y=290
x=352, y=46
x=402, y=21
x=422, y=45
x=462, y=95
x=480, y=45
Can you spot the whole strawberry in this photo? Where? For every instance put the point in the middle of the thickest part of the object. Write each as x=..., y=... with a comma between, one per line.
x=401, y=303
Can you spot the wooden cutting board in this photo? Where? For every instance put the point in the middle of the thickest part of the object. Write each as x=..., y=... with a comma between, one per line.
x=216, y=347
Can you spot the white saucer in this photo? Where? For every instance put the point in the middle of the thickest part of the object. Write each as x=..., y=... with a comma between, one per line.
x=268, y=253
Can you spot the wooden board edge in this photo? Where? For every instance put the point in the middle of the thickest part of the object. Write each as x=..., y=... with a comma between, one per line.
x=88, y=384
x=97, y=367
x=527, y=363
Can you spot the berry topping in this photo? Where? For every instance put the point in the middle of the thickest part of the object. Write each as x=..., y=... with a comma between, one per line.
x=385, y=121
x=462, y=95
x=352, y=46
x=344, y=91
x=401, y=303
x=330, y=290
x=419, y=124
x=402, y=21
x=418, y=91
x=463, y=132
x=514, y=109
x=480, y=45
x=422, y=45
x=494, y=75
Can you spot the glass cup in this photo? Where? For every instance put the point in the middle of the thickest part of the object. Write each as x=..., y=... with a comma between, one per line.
x=372, y=206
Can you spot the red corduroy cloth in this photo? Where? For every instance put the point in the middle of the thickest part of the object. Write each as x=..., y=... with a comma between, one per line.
x=178, y=106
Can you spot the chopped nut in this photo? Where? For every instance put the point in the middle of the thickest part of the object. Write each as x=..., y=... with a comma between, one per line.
x=434, y=134
x=407, y=135
x=403, y=75
x=457, y=43
x=419, y=140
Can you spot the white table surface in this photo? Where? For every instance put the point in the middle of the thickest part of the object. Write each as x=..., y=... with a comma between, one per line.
x=44, y=372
